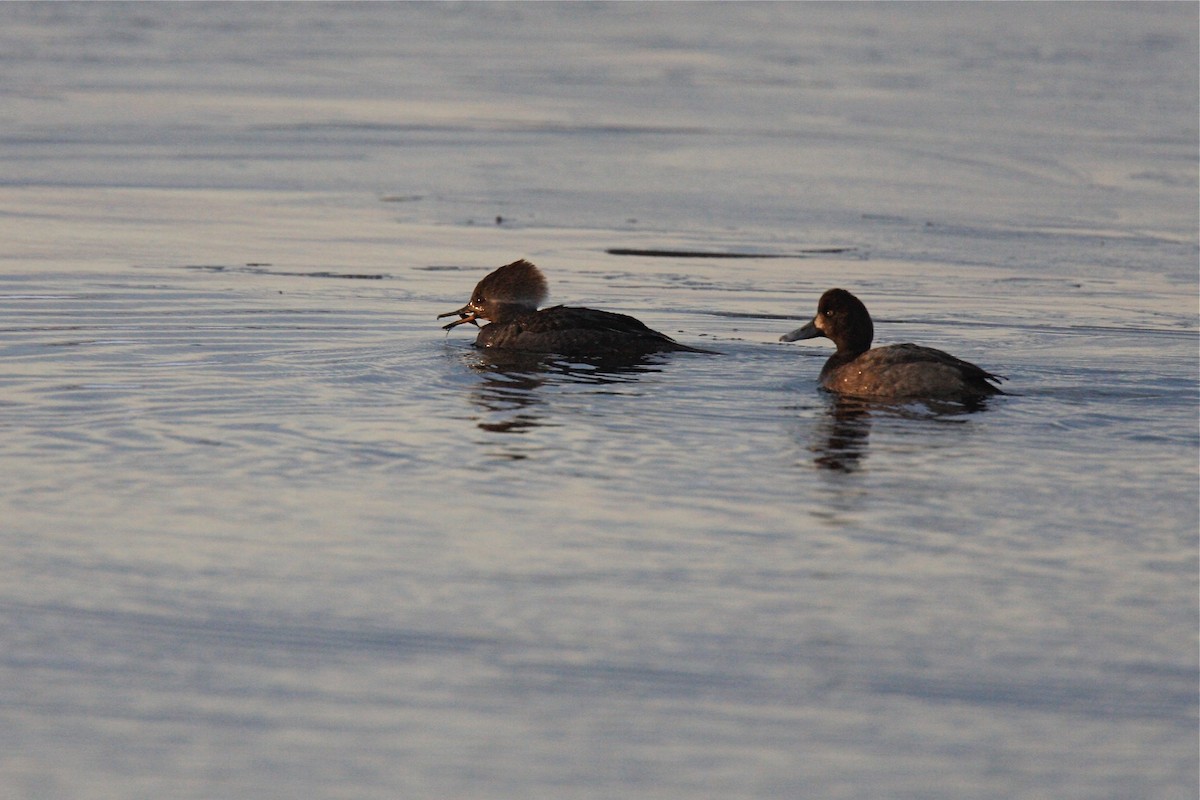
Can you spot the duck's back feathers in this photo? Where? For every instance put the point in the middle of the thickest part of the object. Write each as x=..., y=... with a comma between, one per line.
x=907, y=371
x=568, y=330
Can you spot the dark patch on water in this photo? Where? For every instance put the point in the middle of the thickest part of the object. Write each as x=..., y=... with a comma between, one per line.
x=261, y=269
x=657, y=253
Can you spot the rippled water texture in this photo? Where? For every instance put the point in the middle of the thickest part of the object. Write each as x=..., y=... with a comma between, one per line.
x=269, y=532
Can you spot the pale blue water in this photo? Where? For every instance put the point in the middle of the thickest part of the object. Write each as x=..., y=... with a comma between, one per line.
x=269, y=532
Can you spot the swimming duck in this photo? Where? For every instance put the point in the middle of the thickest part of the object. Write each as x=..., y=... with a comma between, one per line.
x=510, y=297
x=898, y=371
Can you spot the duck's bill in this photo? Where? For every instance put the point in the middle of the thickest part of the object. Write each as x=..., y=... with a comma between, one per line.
x=809, y=331
x=465, y=315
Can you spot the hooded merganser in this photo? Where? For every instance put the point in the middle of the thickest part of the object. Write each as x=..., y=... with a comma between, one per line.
x=509, y=298
x=898, y=371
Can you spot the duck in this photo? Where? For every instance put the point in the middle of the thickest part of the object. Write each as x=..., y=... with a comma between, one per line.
x=509, y=298
x=893, y=372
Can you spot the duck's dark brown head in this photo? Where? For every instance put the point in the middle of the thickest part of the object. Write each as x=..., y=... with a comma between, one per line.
x=513, y=289
x=842, y=318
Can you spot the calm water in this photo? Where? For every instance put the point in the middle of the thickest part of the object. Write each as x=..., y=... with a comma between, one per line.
x=268, y=532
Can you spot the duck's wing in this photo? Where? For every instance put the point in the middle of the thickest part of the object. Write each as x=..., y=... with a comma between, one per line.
x=914, y=360
x=570, y=329
x=920, y=353
x=564, y=318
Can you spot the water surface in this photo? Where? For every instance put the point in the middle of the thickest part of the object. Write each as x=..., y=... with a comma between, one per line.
x=269, y=532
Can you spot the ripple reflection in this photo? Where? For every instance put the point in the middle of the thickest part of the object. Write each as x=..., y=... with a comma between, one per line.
x=511, y=394
x=840, y=440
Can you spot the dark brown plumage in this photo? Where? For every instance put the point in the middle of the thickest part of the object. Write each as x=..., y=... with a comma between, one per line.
x=898, y=371
x=509, y=298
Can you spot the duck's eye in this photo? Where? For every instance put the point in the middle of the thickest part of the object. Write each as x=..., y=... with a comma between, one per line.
x=829, y=312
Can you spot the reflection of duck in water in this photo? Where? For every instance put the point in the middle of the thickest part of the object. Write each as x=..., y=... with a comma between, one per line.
x=509, y=298
x=895, y=372
x=842, y=440
x=508, y=396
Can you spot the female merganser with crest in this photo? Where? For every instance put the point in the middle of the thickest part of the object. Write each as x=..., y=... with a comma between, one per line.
x=509, y=297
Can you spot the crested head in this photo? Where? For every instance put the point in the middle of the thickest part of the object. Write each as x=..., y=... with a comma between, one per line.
x=518, y=284
x=508, y=292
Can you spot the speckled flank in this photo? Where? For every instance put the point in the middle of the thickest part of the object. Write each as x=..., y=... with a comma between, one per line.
x=907, y=371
